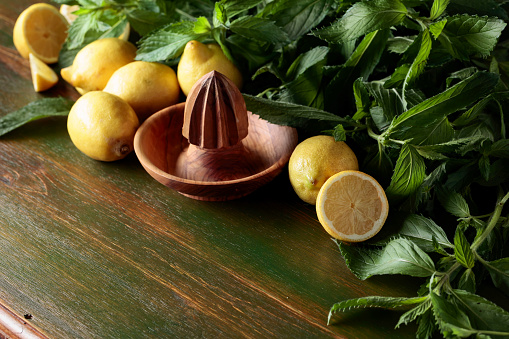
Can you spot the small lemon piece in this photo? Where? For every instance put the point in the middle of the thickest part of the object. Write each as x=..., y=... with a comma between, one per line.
x=102, y=126
x=43, y=77
x=126, y=32
x=96, y=62
x=314, y=161
x=199, y=59
x=352, y=206
x=67, y=12
x=41, y=30
x=147, y=86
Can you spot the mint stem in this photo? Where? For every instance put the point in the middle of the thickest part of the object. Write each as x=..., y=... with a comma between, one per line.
x=492, y=223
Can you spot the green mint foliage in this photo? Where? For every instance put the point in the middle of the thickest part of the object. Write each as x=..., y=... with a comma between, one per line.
x=467, y=281
x=484, y=315
x=297, y=18
x=452, y=321
x=499, y=272
x=489, y=8
x=422, y=231
x=438, y=8
x=374, y=301
x=362, y=18
x=466, y=35
x=454, y=203
x=360, y=63
x=234, y=7
x=451, y=100
x=42, y=108
x=289, y=114
x=399, y=256
x=258, y=29
x=169, y=42
x=408, y=175
x=462, y=250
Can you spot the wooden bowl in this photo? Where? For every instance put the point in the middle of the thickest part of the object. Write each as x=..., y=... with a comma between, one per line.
x=158, y=144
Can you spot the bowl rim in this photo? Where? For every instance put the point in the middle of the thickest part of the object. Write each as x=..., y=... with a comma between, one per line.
x=278, y=164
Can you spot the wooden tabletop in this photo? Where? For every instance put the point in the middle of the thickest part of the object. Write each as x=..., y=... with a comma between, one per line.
x=101, y=250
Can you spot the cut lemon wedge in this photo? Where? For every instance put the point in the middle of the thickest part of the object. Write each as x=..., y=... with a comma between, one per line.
x=352, y=206
x=40, y=30
x=43, y=77
x=67, y=12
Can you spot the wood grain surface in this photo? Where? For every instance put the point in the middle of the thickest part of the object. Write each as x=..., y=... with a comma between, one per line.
x=102, y=250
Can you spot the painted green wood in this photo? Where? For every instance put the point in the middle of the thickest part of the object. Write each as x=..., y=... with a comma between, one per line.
x=101, y=250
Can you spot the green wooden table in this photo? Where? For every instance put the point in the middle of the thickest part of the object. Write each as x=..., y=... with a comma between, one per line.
x=101, y=250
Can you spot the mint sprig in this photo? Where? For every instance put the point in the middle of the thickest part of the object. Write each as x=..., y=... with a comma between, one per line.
x=42, y=108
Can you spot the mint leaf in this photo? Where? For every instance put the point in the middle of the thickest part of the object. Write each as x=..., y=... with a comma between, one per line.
x=481, y=8
x=362, y=101
x=454, y=203
x=465, y=35
x=417, y=67
x=147, y=17
x=436, y=28
x=234, y=7
x=443, y=104
x=202, y=26
x=250, y=53
x=408, y=175
x=485, y=167
x=452, y=321
x=415, y=312
x=169, y=41
x=305, y=89
x=389, y=100
x=219, y=16
x=306, y=60
x=79, y=28
x=468, y=116
x=438, y=8
x=500, y=148
x=398, y=76
x=287, y=114
x=373, y=301
x=467, y=281
x=297, y=18
x=399, y=44
x=362, y=18
x=427, y=325
x=441, y=150
x=306, y=74
x=436, y=132
x=339, y=133
x=42, y=108
x=258, y=29
x=418, y=229
x=360, y=64
x=499, y=272
x=484, y=315
x=399, y=256
x=462, y=251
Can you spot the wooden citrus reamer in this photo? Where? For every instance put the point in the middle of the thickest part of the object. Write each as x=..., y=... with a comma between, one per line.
x=215, y=123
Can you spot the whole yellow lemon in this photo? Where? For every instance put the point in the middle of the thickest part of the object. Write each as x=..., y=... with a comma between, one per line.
x=96, y=62
x=147, y=86
x=102, y=126
x=199, y=59
x=315, y=160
